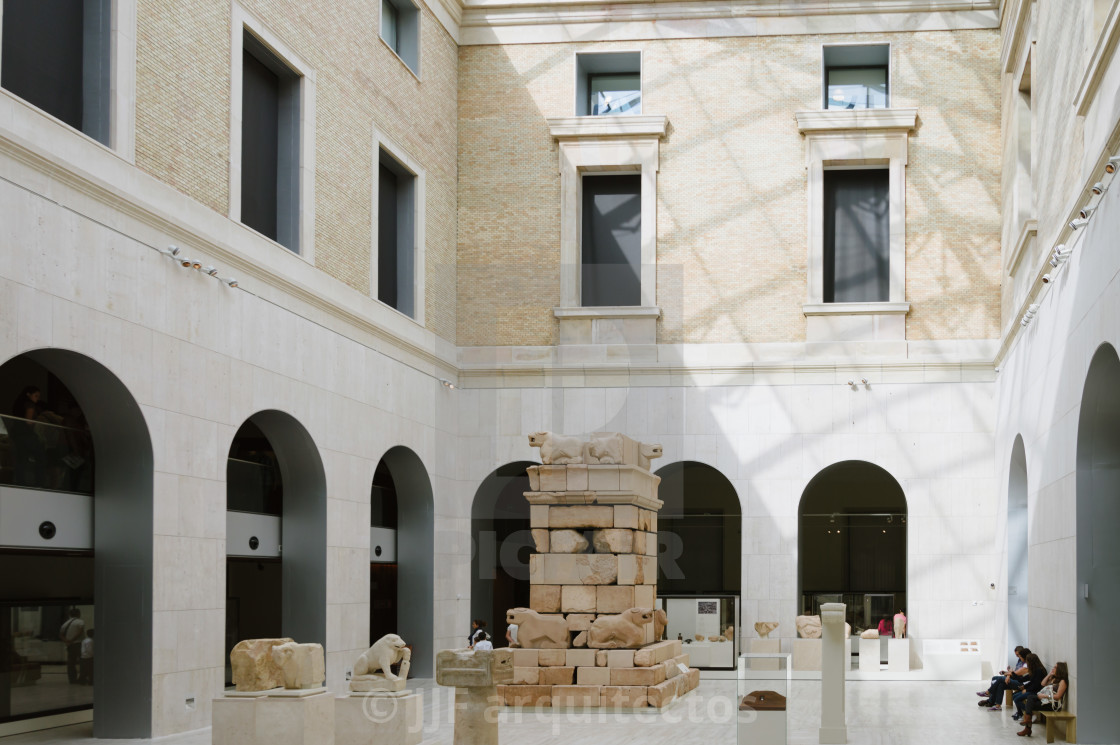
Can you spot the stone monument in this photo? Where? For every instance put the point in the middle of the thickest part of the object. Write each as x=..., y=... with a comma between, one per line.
x=834, y=730
x=475, y=674
x=379, y=709
x=591, y=633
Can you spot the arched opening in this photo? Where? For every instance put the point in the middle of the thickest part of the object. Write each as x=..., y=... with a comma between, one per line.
x=851, y=543
x=402, y=577
x=276, y=496
x=699, y=565
x=77, y=545
x=502, y=545
x=1017, y=584
x=1098, y=551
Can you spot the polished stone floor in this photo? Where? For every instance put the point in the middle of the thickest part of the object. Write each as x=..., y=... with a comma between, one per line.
x=879, y=713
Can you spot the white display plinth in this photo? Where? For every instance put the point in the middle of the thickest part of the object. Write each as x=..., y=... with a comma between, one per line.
x=898, y=655
x=762, y=727
x=951, y=659
x=848, y=653
x=373, y=719
x=806, y=654
x=762, y=646
x=274, y=720
x=868, y=655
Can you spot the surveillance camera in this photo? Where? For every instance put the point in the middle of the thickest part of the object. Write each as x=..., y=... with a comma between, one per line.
x=1046, y=279
x=1086, y=212
x=1098, y=188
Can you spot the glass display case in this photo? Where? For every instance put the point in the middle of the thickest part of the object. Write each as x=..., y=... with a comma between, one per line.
x=764, y=683
x=707, y=628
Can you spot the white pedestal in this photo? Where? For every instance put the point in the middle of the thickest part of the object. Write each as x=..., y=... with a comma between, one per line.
x=833, y=730
x=806, y=654
x=378, y=720
x=762, y=727
x=763, y=646
x=868, y=655
x=898, y=655
x=274, y=720
x=848, y=653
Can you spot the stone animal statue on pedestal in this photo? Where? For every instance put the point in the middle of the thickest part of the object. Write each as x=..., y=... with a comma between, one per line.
x=623, y=631
x=536, y=631
x=557, y=449
x=385, y=652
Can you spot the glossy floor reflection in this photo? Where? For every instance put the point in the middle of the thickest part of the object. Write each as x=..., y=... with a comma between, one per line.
x=878, y=713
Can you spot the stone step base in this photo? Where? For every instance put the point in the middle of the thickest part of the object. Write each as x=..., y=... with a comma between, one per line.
x=632, y=695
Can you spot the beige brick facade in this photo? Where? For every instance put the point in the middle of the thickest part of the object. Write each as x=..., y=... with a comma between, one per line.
x=732, y=204
x=183, y=115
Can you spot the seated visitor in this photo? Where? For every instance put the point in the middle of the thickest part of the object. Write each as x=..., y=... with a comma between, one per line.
x=1036, y=673
x=1050, y=697
x=993, y=696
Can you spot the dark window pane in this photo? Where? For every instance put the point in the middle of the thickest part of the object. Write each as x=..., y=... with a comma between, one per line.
x=42, y=55
x=611, y=253
x=856, y=236
x=259, y=145
x=387, y=290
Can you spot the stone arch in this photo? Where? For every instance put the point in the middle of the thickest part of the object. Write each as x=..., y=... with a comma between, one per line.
x=1017, y=542
x=1098, y=552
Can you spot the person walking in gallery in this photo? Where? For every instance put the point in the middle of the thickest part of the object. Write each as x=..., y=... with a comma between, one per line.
x=511, y=635
x=71, y=634
x=478, y=632
x=1006, y=679
x=85, y=663
x=1051, y=697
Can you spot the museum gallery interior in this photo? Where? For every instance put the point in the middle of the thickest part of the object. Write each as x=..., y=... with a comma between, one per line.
x=673, y=349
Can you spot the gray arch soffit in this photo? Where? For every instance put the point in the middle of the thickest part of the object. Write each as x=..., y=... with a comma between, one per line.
x=488, y=491
x=1017, y=477
x=1102, y=381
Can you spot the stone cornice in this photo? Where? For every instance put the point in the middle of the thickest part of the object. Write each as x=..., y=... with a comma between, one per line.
x=543, y=21
x=572, y=127
x=1099, y=63
x=856, y=119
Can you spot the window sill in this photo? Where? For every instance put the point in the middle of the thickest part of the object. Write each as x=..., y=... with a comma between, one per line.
x=855, y=309
x=848, y=119
x=855, y=322
x=623, y=125
x=608, y=324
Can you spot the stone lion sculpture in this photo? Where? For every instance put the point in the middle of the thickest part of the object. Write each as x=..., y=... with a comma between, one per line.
x=660, y=621
x=253, y=666
x=622, y=631
x=385, y=652
x=301, y=665
x=537, y=631
x=557, y=449
x=605, y=448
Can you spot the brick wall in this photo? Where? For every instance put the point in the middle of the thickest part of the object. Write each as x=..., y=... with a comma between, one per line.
x=732, y=202
x=183, y=84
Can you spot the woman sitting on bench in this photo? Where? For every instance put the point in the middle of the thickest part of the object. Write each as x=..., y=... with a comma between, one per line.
x=1006, y=679
x=1050, y=698
x=1036, y=673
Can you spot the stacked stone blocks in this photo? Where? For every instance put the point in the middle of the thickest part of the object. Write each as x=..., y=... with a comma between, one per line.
x=594, y=525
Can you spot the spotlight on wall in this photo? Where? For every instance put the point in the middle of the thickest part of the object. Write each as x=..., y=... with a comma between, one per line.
x=1078, y=223
x=890, y=519
x=1061, y=255
x=1097, y=188
x=852, y=383
x=1046, y=279
x=196, y=264
x=172, y=251
x=185, y=262
x=447, y=384
x=210, y=270
x=1112, y=165
x=229, y=281
x=1086, y=212
x=864, y=381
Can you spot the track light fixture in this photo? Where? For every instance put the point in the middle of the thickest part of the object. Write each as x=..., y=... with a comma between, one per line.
x=1032, y=310
x=210, y=270
x=172, y=251
x=1097, y=188
x=185, y=262
x=1078, y=223
x=1061, y=256
x=1112, y=165
x=447, y=384
x=1047, y=279
x=229, y=281
x=1086, y=212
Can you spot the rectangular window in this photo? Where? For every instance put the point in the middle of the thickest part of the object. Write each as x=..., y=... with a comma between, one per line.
x=608, y=84
x=611, y=247
x=55, y=56
x=270, y=144
x=856, y=77
x=396, y=235
x=400, y=30
x=856, y=236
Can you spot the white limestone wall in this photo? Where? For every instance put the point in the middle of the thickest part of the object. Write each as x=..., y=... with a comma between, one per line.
x=1040, y=387
x=769, y=440
x=200, y=358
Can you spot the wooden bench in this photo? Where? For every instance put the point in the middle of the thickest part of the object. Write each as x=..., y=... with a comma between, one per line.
x=1055, y=716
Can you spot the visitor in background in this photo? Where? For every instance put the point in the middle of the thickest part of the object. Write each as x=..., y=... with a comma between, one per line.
x=85, y=666
x=483, y=644
x=511, y=635
x=478, y=632
x=1051, y=697
x=71, y=634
